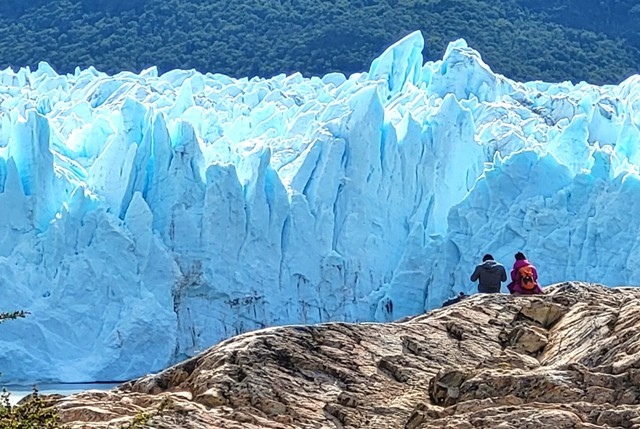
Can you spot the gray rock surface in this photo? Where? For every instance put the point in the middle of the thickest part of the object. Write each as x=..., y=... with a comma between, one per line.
x=568, y=359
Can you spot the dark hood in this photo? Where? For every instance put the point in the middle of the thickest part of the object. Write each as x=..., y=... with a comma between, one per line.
x=491, y=266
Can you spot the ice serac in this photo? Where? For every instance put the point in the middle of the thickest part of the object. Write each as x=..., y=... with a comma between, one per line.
x=144, y=217
x=400, y=64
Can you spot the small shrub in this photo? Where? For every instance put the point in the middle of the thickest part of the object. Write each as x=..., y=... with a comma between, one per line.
x=32, y=414
x=141, y=420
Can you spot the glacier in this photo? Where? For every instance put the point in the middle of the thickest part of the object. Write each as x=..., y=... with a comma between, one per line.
x=145, y=217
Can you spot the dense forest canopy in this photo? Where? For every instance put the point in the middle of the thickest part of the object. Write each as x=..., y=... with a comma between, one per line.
x=522, y=39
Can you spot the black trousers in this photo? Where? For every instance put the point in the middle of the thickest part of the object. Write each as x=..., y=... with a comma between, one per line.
x=489, y=289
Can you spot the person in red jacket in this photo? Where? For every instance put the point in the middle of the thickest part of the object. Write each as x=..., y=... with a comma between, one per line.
x=524, y=277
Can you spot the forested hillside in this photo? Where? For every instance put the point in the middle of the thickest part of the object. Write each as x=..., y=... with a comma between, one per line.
x=615, y=18
x=523, y=39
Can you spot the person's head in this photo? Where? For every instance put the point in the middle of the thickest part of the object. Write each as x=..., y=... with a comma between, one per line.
x=520, y=256
x=487, y=257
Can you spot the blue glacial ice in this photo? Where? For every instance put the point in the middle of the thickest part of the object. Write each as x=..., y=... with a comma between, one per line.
x=145, y=217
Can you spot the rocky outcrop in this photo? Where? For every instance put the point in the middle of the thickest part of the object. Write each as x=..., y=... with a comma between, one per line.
x=568, y=359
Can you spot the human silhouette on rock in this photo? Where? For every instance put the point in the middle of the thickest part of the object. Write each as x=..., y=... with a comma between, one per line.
x=524, y=277
x=489, y=274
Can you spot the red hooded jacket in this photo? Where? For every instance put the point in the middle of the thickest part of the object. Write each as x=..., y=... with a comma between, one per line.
x=514, y=286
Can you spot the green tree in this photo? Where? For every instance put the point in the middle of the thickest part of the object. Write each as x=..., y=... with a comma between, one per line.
x=521, y=39
x=31, y=414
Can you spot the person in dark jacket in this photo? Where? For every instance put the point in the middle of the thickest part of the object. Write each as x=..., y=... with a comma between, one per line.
x=489, y=275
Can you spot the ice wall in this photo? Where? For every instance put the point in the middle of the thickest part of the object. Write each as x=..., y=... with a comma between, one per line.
x=144, y=217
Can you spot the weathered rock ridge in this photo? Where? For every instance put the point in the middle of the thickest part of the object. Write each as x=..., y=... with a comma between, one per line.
x=569, y=359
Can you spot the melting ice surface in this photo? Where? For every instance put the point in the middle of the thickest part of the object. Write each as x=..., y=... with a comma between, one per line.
x=144, y=218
